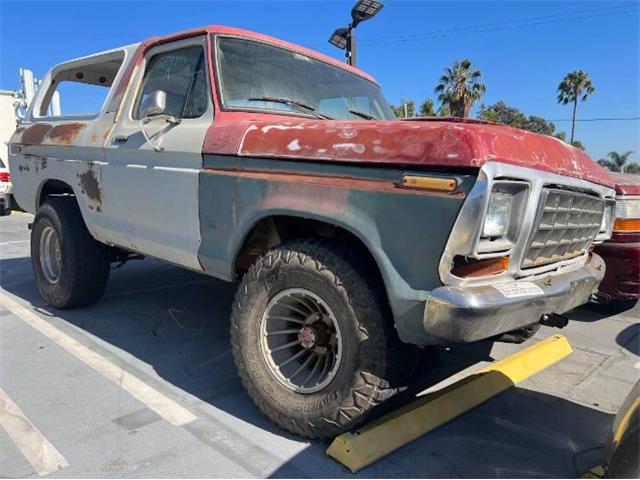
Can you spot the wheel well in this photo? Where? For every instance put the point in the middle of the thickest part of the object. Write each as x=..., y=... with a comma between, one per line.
x=273, y=231
x=54, y=188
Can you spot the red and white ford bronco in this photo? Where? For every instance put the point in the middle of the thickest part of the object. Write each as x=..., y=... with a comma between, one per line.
x=352, y=234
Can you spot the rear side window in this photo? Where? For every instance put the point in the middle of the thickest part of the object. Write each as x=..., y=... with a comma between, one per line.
x=82, y=88
x=78, y=98
x=181, y=74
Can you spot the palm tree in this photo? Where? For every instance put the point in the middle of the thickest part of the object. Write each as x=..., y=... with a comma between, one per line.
x=573, y=87
x=616, y=161
x=460, y=88
x=426, y=108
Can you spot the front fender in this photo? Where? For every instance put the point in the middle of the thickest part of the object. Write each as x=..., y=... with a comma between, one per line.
x=405, y=231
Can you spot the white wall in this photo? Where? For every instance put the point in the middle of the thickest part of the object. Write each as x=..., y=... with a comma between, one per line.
x=7, y=122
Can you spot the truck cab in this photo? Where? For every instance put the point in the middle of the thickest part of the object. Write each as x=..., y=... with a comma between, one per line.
x=355, y=237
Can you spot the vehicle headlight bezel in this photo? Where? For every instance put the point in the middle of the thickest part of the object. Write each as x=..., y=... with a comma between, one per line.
x=499, y=226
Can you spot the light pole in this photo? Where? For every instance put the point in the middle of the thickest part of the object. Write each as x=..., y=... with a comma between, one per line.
x=345, y=38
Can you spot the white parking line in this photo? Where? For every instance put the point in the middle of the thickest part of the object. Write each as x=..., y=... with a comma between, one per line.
x=13, y=242
x=168, y=409
x=42, y=456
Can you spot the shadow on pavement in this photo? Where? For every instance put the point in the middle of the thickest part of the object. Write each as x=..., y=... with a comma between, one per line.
x=519, y=434
x=593, y=312
x=177, y=322
x=629, y=338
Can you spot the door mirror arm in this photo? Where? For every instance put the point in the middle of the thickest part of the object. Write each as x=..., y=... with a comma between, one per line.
x=153, y=107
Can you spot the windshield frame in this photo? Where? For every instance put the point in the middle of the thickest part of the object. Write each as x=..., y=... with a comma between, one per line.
x=219, y=82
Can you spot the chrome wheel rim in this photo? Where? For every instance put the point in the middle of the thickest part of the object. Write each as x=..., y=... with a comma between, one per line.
x=300, y=340
x=50, y=254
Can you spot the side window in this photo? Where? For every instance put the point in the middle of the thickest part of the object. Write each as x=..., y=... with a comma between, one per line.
x=182, y=75
x=82, y=88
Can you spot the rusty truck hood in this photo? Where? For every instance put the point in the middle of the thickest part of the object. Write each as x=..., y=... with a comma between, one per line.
x=424, y=142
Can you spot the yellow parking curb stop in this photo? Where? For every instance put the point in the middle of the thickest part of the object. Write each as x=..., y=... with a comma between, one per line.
x=372, y=442
x=595, y=472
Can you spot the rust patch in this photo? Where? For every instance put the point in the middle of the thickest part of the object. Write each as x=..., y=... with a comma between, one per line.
x=306, y=197
x=34, y=135
x=90, y=186
x=65, y=134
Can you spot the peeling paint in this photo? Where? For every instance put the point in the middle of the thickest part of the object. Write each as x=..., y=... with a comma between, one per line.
x=65, y=133
x=356, y=147
x=34, y=135
x=47, y=134
x=280, y=127
x=90, y=186
x=294, y=145
x=451, y=143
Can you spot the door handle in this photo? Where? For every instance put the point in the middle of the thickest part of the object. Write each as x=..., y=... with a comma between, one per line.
x=119, y=138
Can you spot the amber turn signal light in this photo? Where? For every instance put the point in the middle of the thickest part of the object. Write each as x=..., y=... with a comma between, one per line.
x=430, y=183
x=626, y=225
x=471, y=268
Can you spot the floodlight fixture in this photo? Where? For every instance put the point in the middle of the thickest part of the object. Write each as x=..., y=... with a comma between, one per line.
x=345, y=38
x=339, y=38
x=365, y=10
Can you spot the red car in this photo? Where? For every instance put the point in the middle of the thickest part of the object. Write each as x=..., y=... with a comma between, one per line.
x=622, y=252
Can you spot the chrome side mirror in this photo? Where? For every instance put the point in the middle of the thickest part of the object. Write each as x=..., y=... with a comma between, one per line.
x=153, y=104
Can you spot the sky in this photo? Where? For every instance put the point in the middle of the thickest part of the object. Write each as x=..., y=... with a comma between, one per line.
x=523, y=48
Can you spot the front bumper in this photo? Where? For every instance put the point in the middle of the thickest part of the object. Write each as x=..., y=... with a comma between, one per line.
x=454, y=314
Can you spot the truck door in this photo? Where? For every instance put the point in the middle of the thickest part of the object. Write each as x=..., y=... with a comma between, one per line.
x=154, y=156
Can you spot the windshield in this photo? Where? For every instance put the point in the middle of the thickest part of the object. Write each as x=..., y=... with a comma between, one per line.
x=255, y=75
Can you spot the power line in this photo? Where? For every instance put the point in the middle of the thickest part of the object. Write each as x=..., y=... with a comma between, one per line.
x=606, y=119
x=524, y=22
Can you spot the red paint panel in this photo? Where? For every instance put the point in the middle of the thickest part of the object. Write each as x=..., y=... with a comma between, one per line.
x=626, y=184
x=445, y=143
x=430, y=142
x=622, y=274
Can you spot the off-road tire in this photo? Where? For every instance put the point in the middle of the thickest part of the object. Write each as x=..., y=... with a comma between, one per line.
x=519, y=335
x=85, y=262
x=370, y=346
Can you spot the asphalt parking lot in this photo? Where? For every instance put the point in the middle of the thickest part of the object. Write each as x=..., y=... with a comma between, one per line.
x=92, y=381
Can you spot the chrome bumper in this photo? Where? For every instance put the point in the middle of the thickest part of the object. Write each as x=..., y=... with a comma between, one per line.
x=467, y=314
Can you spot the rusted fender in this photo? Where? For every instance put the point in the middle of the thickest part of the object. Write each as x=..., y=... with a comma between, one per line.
x=422, y=143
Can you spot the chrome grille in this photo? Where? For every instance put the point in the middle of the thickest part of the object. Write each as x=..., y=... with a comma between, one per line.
x=566, y=224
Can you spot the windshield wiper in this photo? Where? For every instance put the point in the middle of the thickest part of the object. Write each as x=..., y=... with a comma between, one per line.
x=366, y=116
x=293, y=103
